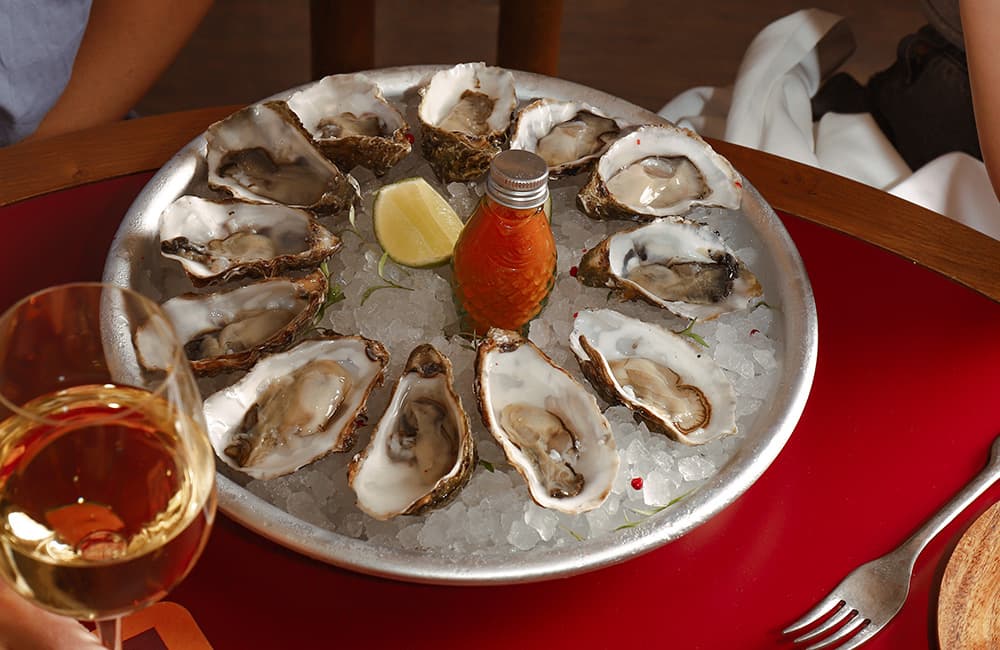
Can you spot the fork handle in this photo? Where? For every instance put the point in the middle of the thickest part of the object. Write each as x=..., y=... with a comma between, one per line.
x=916, y=543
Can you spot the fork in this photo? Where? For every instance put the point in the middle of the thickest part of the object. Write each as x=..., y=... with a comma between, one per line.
x=871, y=595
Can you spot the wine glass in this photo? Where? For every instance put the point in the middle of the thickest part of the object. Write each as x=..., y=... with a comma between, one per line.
x=107, y=478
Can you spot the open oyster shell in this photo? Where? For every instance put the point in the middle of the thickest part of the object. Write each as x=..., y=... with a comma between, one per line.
x=262, y=153
x=220, y=241
x=568, y=135
x=549, y=426
x=657, y=171
x=352, y=123
x=421, y=452
x=295, y=407
x=230, y=330
x=464, y=114
x=680, y=266
x=656, y=373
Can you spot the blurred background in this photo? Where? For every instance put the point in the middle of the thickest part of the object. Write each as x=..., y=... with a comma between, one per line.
x=645, y=51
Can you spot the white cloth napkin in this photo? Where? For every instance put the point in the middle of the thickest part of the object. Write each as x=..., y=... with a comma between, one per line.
x=854, y=146
x=768, y=108
x=957, y=186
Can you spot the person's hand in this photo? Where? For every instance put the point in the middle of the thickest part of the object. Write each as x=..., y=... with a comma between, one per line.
x=25, y=626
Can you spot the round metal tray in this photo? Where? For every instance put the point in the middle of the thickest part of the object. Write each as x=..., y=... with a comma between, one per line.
x=134, y=257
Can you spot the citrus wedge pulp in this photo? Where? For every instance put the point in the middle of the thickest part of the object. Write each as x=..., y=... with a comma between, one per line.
x=414, y=224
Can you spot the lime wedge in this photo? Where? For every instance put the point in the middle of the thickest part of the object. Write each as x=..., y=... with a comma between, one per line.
x=414, y=224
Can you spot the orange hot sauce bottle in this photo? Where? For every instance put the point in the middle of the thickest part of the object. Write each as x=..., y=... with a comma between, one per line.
x=504, y=261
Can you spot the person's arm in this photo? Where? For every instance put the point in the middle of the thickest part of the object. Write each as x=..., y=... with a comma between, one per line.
x=126, y=47
x=981, y=28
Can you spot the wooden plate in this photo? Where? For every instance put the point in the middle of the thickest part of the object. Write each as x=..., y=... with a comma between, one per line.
x=969, y=605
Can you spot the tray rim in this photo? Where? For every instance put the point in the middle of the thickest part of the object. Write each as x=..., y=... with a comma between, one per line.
x=761, y=445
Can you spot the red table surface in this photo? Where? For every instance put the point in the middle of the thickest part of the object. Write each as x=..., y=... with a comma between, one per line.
x=901, y=415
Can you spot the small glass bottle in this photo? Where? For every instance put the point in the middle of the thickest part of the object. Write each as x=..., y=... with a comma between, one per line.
x=504, y=262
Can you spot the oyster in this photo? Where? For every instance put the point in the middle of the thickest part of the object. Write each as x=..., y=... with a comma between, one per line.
x=683, y=267
x=568, y=135
x=219, y=241
x=549, y=426
x=421, y=452
x=262, y=153
x=656, y=373
x=464, y=113
x=352, y=123
x=230, y=330
x=658, y=171
x=295, y=407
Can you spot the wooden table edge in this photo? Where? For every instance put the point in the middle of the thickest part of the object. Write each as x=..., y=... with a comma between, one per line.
x=99, y=153
x=923, y=236
x=915, y=233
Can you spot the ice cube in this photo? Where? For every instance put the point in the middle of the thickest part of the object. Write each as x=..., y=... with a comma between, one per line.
x=660, y=487
x=542, y=520
x=695, y=468
x=522, y=536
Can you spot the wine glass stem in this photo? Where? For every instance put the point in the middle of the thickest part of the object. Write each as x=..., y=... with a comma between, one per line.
x=110, y=631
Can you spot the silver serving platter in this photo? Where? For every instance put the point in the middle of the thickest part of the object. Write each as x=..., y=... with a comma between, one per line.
x=134, y=259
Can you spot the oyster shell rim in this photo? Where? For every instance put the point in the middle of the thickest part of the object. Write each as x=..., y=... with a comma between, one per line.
x=571, y=167
x=455, y=156
x=597, y=202
x=377, y=153
x=346, y=435
x=595, y=270
x=315, y=286
x=424, y=362
x=334, y=199
x=503, y=341
x=598, y=373
x=322, y=245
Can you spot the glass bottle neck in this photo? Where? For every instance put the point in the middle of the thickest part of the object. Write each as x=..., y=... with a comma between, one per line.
x=505, y=211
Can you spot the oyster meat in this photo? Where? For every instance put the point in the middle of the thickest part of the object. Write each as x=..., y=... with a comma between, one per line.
x=352, y=123
x=549, y=426
x=680, y=266
x=262, y=153
x=295, y=407
x=219, y=241
x=421, y=452
x=568, y=135
x=230, y=330
x=464, y=114
x=657, y=171
x=676, y=389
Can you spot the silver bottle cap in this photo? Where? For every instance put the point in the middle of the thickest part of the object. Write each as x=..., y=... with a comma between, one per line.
x=518, y=179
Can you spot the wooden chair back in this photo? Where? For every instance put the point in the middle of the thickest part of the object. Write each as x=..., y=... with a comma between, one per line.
x=343, y=36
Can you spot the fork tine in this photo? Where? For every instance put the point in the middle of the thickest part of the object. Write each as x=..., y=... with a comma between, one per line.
x=849, y=629
x=825, y=606
x=828, y=624
x=866, y=633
